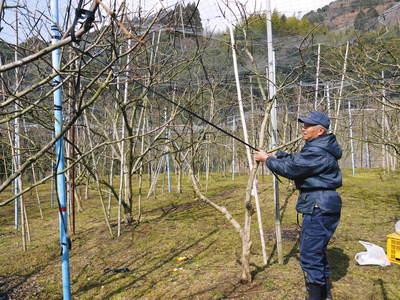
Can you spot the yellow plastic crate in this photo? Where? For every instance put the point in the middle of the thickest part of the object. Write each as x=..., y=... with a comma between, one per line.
x=393, y=248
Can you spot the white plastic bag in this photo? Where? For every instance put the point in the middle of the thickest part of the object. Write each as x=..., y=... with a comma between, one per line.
x=397, y=226
x=374, y=255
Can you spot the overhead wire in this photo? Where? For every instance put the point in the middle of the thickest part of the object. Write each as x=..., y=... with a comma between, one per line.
x=193, y=114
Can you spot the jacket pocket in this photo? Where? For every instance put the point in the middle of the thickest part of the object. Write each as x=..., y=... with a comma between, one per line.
x=329, y=201
x=304, y=204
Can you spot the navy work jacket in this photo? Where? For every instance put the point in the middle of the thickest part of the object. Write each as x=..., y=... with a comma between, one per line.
x=315, y=171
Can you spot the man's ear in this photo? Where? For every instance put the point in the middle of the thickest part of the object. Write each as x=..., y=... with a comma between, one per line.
x=321, y=131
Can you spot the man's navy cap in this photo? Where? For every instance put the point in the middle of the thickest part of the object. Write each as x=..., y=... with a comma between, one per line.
x=316, y=118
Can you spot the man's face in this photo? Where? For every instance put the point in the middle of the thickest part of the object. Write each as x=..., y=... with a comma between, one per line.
x=310, y=131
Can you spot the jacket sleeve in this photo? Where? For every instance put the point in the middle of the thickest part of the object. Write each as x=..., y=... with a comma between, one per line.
x=298, y=165
x=281, y=154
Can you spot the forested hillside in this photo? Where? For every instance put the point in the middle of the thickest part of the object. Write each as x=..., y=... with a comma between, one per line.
x=357, y=14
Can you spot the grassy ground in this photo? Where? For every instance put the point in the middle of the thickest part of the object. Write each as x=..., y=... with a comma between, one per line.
x=175, y=226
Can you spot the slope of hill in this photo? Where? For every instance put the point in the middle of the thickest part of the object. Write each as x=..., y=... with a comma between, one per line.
x=360, y=14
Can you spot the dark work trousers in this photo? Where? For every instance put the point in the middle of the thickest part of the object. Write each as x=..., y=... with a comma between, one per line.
x=317, y=229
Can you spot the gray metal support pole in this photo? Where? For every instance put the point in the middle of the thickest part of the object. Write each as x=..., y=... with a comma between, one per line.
x=341, y=88
x=367, y=155
x=353, y=162
x=317, y=78
x=167, y=162
x=233, y=149
x=17, y=158
x=328, y=99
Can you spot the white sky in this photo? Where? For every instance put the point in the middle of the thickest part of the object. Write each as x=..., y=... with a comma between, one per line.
x=211, y=15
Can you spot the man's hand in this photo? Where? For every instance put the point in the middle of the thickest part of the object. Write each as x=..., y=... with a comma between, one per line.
x=261, y=156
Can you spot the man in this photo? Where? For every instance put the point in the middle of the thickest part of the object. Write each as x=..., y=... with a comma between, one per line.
x=316, y=173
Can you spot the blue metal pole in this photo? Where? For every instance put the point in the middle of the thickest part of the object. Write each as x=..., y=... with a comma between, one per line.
x=61, y=186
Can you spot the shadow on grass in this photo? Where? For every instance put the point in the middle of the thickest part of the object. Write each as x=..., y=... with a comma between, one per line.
x=166, y=276
x=293, y=252
x=11, y=287
x=157, y=266
x=286, y=202
x=224, y=290
x=168, y=210
x=382, y=287
x=287, y=234
x=339, y=262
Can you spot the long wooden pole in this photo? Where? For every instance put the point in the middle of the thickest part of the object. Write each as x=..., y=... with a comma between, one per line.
x=248, y=152
x=274, y=126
